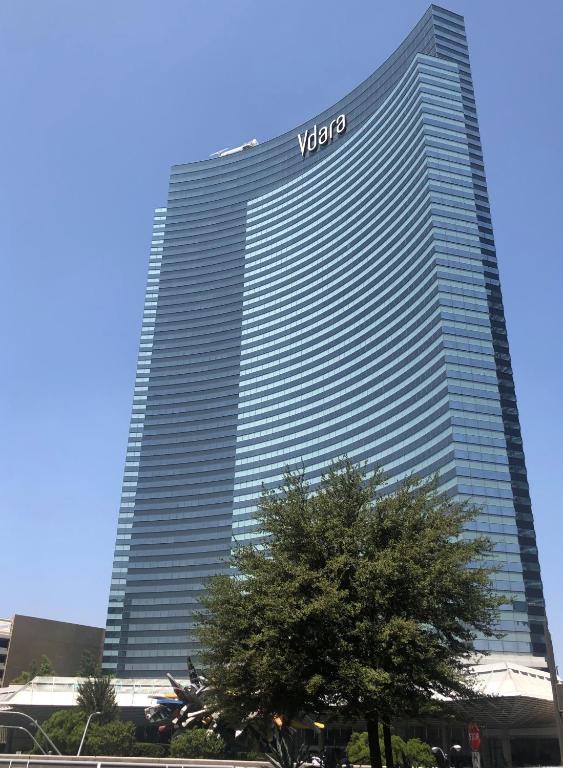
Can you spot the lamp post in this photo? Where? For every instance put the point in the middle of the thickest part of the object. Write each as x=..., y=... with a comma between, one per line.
x=10, y=710
x=85, y=730
x=29, y=733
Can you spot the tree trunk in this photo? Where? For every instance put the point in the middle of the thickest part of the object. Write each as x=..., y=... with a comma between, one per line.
x=372, y=725
x=387, y=744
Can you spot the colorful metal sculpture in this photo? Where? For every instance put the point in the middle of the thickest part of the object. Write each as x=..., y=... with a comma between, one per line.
x=186, y=707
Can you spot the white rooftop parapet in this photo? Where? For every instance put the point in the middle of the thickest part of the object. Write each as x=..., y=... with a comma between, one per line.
x=62, y=692
x=510, y=679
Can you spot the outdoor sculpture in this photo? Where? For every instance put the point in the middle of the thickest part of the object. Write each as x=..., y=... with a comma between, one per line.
x=185, y=707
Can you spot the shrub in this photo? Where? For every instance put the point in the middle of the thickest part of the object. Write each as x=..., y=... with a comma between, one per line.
x=419, y=753
x=252, y=755
x=358, y=749
x=197, y=743
x=406, y=754
x=149, y=749
x=65, y=728
x=116, y=739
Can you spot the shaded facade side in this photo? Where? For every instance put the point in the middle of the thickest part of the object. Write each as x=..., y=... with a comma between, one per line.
x=453, y=46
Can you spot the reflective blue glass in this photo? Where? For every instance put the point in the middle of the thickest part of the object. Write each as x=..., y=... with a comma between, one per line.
x=305, y=304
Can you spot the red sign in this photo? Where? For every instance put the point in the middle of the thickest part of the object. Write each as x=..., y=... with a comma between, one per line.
x=474, y=737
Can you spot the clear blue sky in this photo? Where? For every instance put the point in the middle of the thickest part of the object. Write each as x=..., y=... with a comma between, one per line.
x=99, y=98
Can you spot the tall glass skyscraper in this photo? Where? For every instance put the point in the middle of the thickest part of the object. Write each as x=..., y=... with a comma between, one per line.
x=334, y=290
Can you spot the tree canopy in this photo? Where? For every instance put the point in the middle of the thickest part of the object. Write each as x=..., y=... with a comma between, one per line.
x=42, y=668
x=97, y=694
x=89, y=665
x=406, y=754
x=65, y=727
x=357, y=600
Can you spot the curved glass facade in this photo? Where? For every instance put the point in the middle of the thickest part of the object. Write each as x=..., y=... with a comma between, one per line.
x=306, y=304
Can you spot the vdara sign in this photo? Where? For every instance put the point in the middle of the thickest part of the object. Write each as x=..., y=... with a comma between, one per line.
x=310, y=141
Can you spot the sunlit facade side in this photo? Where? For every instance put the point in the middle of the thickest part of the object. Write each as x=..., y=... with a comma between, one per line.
x=306, y=304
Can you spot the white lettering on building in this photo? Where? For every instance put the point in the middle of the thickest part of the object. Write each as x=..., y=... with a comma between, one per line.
x=311, y=140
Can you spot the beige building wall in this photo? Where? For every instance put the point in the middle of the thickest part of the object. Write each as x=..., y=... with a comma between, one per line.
x=64, y=644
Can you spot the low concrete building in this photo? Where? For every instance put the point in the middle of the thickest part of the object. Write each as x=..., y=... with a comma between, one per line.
x=514, y=712
x=45, y=695
x=25, y=639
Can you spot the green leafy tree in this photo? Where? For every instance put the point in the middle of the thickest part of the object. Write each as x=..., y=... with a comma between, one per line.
x=43, y=668
x=89, y=665
x=116, y=739
x=358, y=748
x=197, y=743
x=26, y=675
x=408, y=754
x=361, y=602
x=46, y=668
x=65, y=728
x=97, y=694
x=418, y=753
